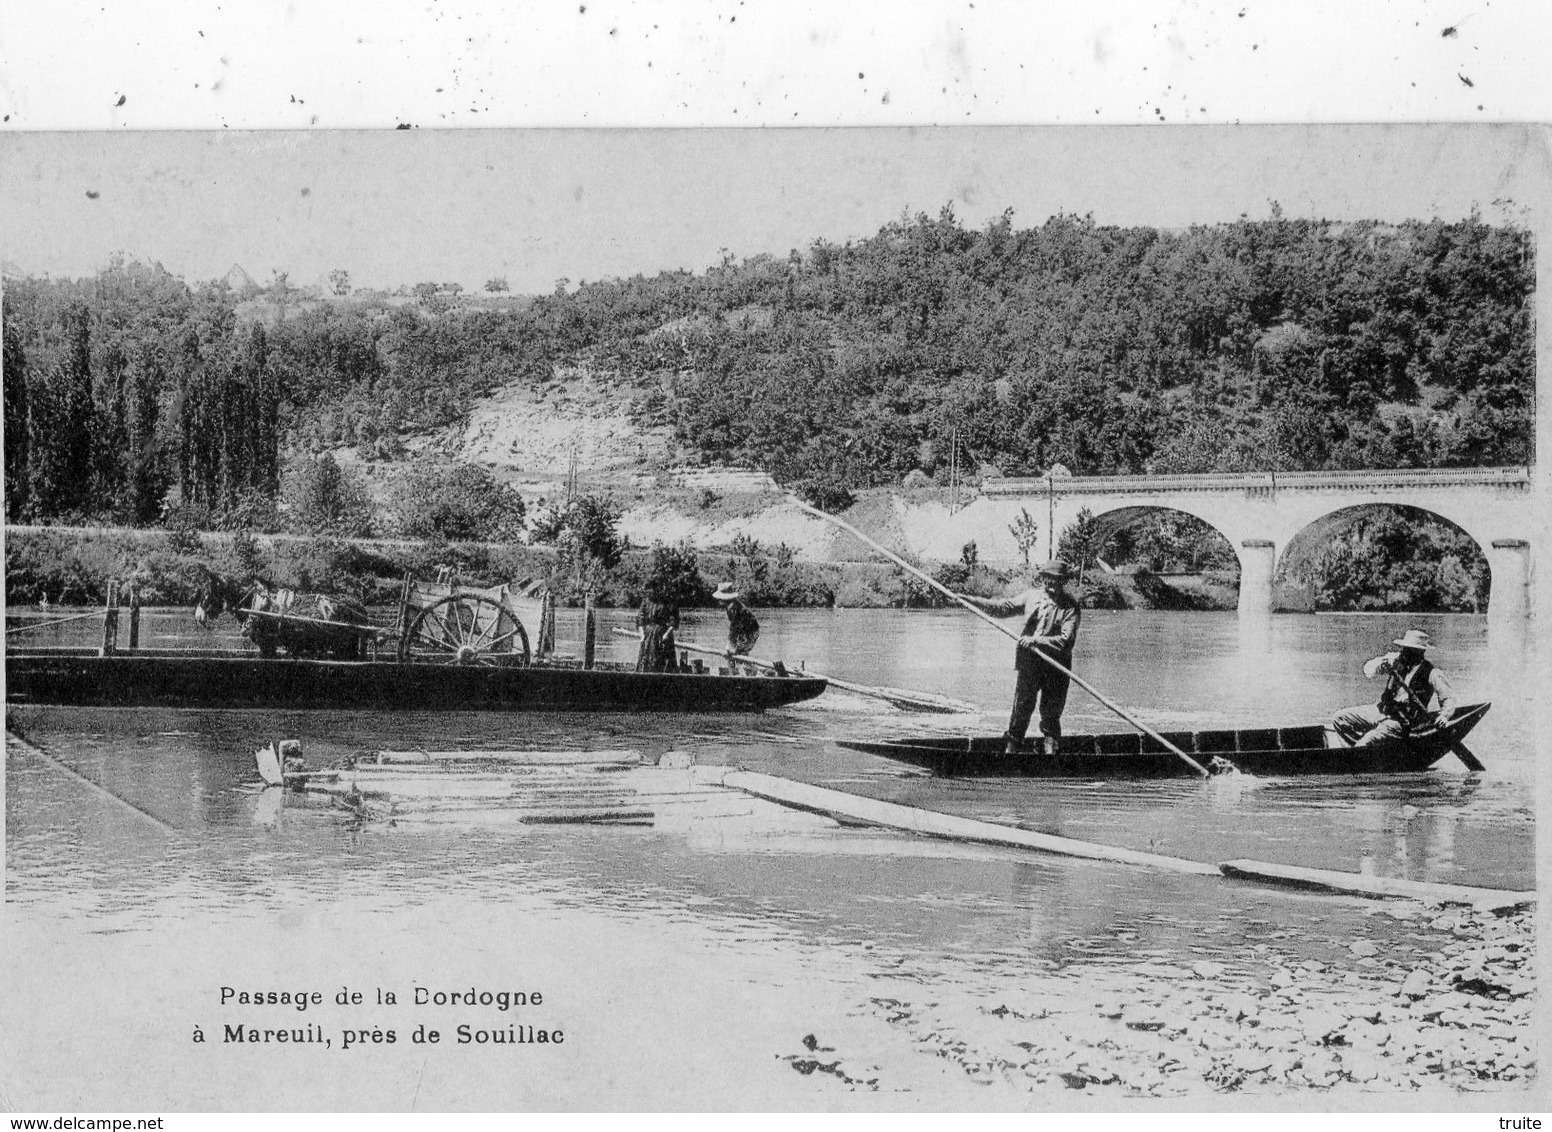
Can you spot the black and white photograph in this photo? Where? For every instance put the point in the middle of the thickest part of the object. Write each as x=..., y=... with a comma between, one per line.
x=882, y=617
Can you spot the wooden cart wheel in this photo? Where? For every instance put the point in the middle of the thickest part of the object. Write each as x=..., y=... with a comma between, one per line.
x=465, y=629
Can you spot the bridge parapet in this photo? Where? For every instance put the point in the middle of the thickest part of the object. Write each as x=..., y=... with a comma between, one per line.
x=1514, y=478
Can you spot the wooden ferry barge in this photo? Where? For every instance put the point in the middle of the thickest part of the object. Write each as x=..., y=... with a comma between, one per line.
x=450, y=648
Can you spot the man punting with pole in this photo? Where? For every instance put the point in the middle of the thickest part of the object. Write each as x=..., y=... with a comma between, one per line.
x=1051, y=618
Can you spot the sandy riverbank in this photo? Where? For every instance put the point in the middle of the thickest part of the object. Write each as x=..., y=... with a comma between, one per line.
x=1398, y=1022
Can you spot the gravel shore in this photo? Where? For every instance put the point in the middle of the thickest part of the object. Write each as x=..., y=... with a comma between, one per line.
x=1454, y=1012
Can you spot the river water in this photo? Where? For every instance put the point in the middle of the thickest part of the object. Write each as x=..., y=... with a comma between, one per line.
x=207, y=879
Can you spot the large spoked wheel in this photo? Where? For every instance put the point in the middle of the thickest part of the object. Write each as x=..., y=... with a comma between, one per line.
x=465, y=629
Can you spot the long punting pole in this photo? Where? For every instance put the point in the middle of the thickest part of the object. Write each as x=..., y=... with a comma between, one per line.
x=1001, y=628
x=900, y=697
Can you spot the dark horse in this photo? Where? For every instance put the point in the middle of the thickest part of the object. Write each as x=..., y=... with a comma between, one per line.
x=303, y=624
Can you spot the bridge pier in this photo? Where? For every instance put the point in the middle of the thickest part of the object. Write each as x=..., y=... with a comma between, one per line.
x=1257, y=564
x=1508, y=595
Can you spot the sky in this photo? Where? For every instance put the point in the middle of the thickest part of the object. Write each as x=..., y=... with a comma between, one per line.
x=749, y=126
x=537, y=206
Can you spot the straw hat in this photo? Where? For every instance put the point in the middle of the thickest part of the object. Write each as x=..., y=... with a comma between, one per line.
x=725, y=592
x=1413, y=639
x=1057, y=569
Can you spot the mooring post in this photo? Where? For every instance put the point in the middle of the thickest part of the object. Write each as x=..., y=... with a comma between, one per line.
x=589, y=630
x=134, y=618
x=405, y=589
x=110, y=622
x=546, y=624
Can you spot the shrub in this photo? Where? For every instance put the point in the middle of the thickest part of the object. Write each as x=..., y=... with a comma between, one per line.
x=670, y=573
x=183, y=524
x=247, y=556
x=320, y=564
x=467, y=503
x=826, y=491
x=1156, y=593
x=588, y=525
x=1101, y=591
x=185, y=540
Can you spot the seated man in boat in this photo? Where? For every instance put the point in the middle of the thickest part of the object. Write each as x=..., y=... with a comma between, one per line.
x=658, y=619
x=743, y=629
x=1051, y=618
x=1412, y=683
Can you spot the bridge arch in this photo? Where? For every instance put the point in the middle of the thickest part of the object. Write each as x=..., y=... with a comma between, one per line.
x=1112, y=522
x=1464, y=586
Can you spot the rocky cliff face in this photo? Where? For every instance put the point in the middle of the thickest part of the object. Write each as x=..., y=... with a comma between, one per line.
x=533, y=438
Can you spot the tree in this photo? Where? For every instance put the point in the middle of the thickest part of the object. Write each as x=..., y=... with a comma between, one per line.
x=674, y=576
x=339, y=282
x=17, y=489
x=585, y=532
x=466, y=503
x=825, y=490
x=431, y=297
x=1399, y=559
x=1025, y=533
x=498, y=284
x=588, y=523
x=1080, y=541
x=60, y=419
x=325, y=499
x=748, y=548
x=146, y=475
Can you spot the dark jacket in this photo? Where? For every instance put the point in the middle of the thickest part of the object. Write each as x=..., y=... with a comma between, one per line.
x=743, y=629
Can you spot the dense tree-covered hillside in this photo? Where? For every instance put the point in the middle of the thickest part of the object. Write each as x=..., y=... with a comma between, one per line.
x=1285, y=343
x=1282, y=343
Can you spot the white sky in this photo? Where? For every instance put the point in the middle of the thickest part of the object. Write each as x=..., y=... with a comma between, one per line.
x=535, y=206
x=466, y=204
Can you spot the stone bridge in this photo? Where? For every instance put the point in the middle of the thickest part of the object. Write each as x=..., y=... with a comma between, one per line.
x=1271, y=518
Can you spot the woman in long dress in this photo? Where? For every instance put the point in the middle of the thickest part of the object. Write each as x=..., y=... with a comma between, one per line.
x=658, y=620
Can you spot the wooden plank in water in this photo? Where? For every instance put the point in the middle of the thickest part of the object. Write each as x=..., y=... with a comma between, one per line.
x=521, y=758
x=1331, y=880
x=820, y=799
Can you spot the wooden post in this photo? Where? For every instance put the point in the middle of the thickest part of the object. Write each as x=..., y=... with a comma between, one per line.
x=546, y=625
x=134, y=618
x=404, y=604
x=110, y=622
x=589, y=630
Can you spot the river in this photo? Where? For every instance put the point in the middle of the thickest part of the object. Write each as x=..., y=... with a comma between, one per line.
x=695, y=942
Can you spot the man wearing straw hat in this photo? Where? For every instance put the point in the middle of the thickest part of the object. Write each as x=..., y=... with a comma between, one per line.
x=743, y=628
x=1051, y=617
x=1411, y=685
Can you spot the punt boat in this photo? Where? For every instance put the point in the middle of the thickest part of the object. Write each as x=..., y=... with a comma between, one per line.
x=1265, y=751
